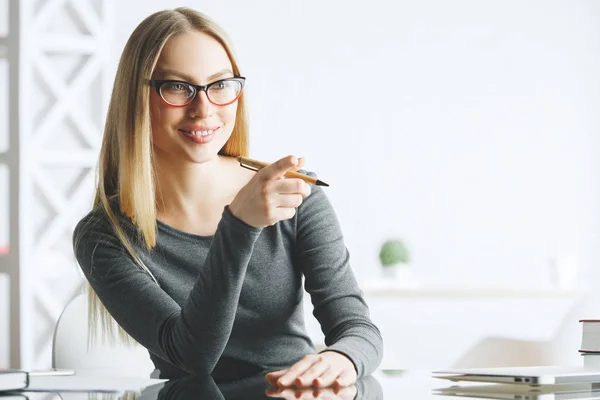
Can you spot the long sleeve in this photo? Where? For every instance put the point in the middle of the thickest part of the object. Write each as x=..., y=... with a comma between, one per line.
x=338, y=302
x=191, y=337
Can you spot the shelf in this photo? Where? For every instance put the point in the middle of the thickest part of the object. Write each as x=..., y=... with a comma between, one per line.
x=391, y=291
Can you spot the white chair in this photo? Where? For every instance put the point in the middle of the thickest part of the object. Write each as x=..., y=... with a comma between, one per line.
x=70, y=348
x=561, y=348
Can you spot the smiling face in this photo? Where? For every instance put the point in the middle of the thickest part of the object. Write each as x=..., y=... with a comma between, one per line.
x=197, y=131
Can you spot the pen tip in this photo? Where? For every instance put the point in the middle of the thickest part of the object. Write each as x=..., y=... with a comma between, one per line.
x=321, y=183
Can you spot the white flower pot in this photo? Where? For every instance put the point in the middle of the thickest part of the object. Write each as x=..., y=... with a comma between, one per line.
x=402, y=276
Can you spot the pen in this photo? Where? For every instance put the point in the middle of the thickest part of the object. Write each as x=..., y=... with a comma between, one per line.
x=255, y=165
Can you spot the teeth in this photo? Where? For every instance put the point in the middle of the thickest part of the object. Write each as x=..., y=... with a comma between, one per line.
x=201, y=133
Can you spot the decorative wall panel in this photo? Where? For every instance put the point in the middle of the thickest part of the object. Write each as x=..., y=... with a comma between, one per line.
x=66, y=71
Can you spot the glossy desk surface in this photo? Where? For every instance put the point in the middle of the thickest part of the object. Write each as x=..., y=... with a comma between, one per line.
x=388, y=384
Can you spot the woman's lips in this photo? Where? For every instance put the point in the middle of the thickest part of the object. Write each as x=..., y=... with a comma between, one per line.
x=198, y=137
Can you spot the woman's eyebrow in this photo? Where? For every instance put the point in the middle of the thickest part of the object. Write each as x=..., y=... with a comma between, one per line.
x=222, y=72
x=189, y=78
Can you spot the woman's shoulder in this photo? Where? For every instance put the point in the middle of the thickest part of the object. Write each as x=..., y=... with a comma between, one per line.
x=317, y=204
x=91, y=226
x=97, y=220
x=316, y=217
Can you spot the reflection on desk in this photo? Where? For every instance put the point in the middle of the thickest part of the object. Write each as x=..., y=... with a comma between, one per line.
x=257, y=387
x=205, y=387
x=388, y=384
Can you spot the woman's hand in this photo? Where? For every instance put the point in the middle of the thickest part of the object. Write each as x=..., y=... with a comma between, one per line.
x=269, y=198
x=320, y=370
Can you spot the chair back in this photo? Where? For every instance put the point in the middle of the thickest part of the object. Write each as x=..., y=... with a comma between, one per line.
x=70, y=347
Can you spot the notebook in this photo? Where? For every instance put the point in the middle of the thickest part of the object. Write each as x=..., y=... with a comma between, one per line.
x=547, y=375
x=11, y=379
x=524, y=392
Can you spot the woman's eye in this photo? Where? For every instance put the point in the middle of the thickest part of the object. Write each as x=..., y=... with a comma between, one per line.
x=177, y=86
x=219, y=85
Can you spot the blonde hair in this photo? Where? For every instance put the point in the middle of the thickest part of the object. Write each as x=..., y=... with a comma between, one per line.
x=126, y=169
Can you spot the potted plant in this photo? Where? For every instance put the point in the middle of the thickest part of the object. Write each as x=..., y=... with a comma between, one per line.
x=394, y=258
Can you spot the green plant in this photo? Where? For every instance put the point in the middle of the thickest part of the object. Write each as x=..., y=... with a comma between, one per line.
x=393, y=252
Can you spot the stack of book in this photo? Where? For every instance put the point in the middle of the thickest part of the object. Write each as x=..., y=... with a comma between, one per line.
x=590, y=343
x=11, y=379
x=65, y=380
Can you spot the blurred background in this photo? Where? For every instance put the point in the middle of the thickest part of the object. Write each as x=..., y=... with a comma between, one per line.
x=467, y=129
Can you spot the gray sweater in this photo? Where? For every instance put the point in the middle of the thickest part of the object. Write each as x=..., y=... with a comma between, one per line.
x=231, y=304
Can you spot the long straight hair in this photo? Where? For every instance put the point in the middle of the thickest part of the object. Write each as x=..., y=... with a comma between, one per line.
x=126, y=171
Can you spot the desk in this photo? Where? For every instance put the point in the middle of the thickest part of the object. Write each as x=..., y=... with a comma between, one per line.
x=398, y=384
x=381, y=385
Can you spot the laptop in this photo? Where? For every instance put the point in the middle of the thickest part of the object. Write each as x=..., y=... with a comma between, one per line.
x=547, y=375
x=503, y=391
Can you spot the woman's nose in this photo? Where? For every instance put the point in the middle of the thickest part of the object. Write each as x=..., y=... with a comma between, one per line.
x=201, y=107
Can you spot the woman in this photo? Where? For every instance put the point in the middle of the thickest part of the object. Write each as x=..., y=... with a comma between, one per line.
x=197, y=259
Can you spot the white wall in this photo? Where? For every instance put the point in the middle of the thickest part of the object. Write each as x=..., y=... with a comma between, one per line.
x=4, y=287
x=3, y=18
x=4, y=320
x=468, y=128
x=4, y=222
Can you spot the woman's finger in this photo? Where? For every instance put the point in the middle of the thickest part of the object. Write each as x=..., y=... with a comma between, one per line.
x=297, y=369
x=274, y=375
x=290, y=186
x=346, y=378
x=277, y=169
x=289, y=200
x=328, y=377
x=309, y=377
x=299, y=165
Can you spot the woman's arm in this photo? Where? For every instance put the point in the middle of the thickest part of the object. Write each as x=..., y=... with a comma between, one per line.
x=191, y=337
x=336, y=297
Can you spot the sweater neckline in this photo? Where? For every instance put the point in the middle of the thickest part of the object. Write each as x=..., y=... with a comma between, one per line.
x=178, y=232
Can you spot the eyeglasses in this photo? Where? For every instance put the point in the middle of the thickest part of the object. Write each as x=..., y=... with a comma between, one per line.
x=181, y=93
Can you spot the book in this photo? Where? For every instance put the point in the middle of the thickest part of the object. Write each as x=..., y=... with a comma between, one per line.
x=12, y=379
x=590, y=335
x=591, y=360
x=503, y=391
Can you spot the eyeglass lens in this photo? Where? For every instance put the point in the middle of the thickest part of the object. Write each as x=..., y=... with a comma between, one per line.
x=220, y=92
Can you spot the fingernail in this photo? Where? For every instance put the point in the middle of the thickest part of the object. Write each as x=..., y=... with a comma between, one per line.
x=294, y=160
